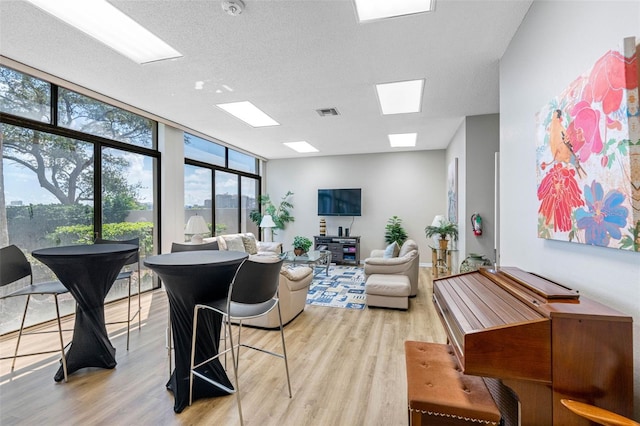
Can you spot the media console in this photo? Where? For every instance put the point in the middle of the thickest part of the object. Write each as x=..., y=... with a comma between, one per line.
x=344, y=250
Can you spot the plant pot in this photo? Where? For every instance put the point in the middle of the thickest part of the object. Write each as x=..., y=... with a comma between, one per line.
x=473, y=262
x=444, y=244
x=298, y=252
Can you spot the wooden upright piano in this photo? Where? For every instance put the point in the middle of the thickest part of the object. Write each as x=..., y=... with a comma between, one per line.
x=540, y=339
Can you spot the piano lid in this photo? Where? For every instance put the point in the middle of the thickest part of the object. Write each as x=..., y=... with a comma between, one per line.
x=542, y=286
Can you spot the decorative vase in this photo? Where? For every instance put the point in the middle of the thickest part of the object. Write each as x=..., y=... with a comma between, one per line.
x=323, y=227
x=473, y=262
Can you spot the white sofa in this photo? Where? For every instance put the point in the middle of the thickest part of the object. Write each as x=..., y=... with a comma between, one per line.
x=294, y=280
x=247, y=243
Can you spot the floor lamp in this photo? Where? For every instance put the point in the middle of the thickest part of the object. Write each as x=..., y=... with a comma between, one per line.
x=267, y=222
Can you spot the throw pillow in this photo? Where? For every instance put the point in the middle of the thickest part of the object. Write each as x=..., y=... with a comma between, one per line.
x=392, y=250
x=233, y=242
x=250, y=245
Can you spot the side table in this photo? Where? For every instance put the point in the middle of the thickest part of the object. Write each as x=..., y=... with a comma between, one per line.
x=441, y=259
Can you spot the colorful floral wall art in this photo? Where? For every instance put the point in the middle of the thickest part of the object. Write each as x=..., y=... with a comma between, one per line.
x=588, y=156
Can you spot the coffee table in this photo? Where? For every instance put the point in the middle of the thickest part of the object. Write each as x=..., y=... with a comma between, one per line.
x=313, y=258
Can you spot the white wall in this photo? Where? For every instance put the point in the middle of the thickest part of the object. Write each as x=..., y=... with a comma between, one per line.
x=457, y=149
x=410, y=185
x=171, y=144
x=483, y=141
x=474, y=145
x=556, y=42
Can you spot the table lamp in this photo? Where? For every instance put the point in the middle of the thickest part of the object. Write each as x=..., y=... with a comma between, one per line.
x=437, y=221
x=196, y=226
x=267, y=222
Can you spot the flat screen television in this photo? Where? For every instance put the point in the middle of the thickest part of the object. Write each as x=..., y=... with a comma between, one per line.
x=340, y=202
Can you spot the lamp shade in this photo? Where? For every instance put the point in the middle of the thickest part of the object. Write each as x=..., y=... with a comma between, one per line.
x=437, y=221
x=196, y=225
x=267, y=222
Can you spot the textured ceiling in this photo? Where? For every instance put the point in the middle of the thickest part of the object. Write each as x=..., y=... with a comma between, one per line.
x=288, y=57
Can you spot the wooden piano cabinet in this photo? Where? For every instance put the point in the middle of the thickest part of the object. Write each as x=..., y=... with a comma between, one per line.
x=544, y=341
x=592, y=363
x=536, y=402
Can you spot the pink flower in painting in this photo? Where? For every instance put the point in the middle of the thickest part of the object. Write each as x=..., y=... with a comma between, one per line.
x=583, y=133
x=560, y=194
x=610, y=75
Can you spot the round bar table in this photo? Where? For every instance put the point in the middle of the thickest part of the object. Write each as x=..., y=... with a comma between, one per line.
x=193, y=277
x=88, y=271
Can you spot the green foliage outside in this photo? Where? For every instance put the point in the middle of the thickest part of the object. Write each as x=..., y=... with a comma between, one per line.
x=394, y=231
x=83, y=234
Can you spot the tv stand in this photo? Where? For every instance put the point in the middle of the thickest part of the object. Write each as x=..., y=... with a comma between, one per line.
x=344, y=250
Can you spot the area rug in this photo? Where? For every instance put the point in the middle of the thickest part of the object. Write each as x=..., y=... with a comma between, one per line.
x=343, y=288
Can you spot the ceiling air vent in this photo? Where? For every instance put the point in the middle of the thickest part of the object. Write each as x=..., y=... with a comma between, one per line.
x=327, y=111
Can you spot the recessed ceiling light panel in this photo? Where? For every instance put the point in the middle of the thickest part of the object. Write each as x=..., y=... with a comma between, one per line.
x=403, y=140
x=302, y=146
x=370, y=10
x=249, y=113
x=109, y=25
x=400, y=97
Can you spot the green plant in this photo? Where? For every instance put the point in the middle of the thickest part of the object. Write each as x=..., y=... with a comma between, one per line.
x=394, y=232
x=302, y=243
x=444, y=229
x=281, y=214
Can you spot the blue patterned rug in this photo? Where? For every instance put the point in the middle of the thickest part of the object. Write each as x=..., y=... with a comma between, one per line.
x=343, y=288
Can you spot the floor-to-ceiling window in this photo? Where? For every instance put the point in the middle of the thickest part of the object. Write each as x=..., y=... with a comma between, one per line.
x=221, y=184
x=72, y=168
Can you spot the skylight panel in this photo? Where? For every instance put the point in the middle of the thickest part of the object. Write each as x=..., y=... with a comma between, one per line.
x=369, y=10
x=249, y=113
x=302, y=146
x=400, y=97
x=107, y=24
x=403, y=140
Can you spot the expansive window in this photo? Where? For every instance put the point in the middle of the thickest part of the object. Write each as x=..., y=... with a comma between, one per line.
x=198, y=184
x=221, y=184
x=48, y=188
x=24, y=96
x=87, y=115
x=87, y=172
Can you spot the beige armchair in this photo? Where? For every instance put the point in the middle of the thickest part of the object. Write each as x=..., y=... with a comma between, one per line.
x=292, y=292
x=406, y=263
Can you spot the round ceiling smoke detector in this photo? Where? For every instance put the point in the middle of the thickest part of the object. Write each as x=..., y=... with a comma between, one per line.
x=233, y=7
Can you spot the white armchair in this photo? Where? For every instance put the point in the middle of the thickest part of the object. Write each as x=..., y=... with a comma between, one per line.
x=406, y=263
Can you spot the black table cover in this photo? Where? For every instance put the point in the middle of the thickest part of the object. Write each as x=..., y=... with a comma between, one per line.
x=88, y=271
x=195, y=277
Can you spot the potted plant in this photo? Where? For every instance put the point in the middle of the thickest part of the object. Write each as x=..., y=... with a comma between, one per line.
x=280, y=214
x=445, y=229
x=394, y=232
x=301, y=245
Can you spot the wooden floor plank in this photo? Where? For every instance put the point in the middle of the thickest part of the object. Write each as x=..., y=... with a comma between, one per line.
x=346, y=366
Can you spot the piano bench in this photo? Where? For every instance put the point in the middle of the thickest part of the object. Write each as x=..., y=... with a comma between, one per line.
x=439, y=393
x=388, y=291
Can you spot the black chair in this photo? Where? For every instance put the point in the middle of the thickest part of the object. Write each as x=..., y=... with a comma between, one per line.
x=15, y=266
x=252, y=293
x=127, y=274
x=178, y=247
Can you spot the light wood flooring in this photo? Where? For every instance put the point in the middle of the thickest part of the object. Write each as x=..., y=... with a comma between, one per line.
x=347, y=367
